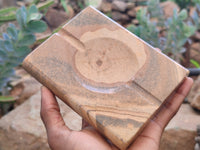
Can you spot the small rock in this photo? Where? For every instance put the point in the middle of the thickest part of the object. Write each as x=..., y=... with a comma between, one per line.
x=198, y=130
x=31, y=86
x=55, y=17
x=195, y=89
x=168, y=8
x=197, y=146
x=192, y=10
x=135, y=21
x=119, y=6
x=132, y=13
x=197, y=139
x=195, y=51
x=130, y=5
x=178, y=139
x=196, y=102
x=106, y=7
x=24, y=87
x=186, y=118
x=117, y=16
x=17, y=90
x=196, y=46
x=197, y=36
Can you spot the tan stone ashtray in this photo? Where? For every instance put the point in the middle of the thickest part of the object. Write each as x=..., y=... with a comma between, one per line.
x=113, y=79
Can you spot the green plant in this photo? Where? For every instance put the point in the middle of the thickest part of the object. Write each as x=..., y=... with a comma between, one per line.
x=184, y=3
x=195, y=16
x=44, y=6
x=14, y=45
x=147, y=29
x=170, y=35
x=195, y=63
x=178, y=33
x=84, y=3
x=94, y=3
x=63, y=2
x=9, y=14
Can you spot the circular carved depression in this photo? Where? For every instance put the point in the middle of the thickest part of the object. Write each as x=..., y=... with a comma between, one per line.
x=106, y=61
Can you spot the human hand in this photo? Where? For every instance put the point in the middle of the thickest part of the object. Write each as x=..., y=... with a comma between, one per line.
x=60, y=137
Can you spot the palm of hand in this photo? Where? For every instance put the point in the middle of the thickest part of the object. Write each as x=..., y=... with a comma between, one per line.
x=60, y=137
x=90, y=139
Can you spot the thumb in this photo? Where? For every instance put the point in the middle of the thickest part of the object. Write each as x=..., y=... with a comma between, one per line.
x=50, y=111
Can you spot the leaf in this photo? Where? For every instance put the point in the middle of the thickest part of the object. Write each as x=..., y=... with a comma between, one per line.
x=131, y=28
x=188, y=30
x=34, y=16
x=7, y=72
x=5, y=36
x=7, y=10
x=37, y=26
x=8, y=46
x=12, y=25
x=24, y=32
x=63, y=2
x=24, y=14
x=33, y=13
x=195, y=63
x=7, y=98
x=175, y=15
x=181, y=42
x=32, y=9
x=1, y=61
x=35, y=2
x=12, y=63
x=12, y=32
x=195, y=18
x=3, y=55
x=183, y=15
x=9, y=66
x=21, y=16
x=27, y=40
x=3, y=82
x=141, y=14
x=1, y=45
x=7, y=18
x=45, y=5
x=22, y=51
x=94, y=3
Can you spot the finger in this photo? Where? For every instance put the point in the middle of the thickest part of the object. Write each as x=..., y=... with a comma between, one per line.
x=153, y=130
x=50, y=111
x=172, y=104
